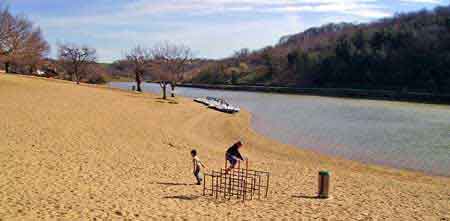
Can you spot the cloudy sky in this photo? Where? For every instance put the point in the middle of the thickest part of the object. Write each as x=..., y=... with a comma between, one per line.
x=213, y=28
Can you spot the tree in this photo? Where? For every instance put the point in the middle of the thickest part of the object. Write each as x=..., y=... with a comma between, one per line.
x=20, y=41
x=240, y=55
x=170, y=61
x=139, y=61
x=75, y=60
x=409, y=52
x=36, y=49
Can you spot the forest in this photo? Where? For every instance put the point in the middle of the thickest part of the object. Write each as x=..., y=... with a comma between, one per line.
x=409, y=52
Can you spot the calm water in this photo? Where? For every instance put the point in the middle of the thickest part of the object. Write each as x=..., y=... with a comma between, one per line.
x=403, y=135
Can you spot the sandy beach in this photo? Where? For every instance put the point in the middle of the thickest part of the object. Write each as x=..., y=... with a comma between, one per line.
x=83, y=152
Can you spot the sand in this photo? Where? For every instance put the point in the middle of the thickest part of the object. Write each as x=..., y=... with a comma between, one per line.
x=80, y=152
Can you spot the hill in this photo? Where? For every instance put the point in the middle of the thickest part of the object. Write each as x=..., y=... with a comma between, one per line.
x=408, y=52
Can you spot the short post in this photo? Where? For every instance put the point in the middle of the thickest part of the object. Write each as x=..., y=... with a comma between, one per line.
x=133, y=88
x=324, y=184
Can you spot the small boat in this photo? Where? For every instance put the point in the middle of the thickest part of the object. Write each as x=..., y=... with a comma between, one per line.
x=226, y=108
x=218, y=104
x=201, y=100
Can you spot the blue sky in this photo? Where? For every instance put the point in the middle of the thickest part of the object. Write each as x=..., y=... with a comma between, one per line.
x=212, y=28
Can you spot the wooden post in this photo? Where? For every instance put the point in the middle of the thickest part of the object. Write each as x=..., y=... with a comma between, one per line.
x=212, y=184
x=259, y=187
x=324, y=184
x=204, y=184
x=226, y=161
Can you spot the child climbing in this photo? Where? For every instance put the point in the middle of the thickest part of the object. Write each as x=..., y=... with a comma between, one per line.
x=233, y=155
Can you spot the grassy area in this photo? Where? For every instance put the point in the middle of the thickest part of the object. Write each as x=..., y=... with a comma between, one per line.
x=109, y=78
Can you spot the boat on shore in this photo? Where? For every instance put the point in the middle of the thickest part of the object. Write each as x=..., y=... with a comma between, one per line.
x=218, y=104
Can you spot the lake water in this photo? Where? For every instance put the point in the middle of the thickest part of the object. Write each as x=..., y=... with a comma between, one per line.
x=398, y=134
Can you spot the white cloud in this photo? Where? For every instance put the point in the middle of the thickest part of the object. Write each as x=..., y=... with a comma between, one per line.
x=351, y=8
x=134, y=13
x=424, y=1
x=146, y=7
x=214, y=27
x=212, y=41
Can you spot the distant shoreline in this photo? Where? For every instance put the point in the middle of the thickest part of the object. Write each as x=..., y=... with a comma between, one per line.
x=334, y=92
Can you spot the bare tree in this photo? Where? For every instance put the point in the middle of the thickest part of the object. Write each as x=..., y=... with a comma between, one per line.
x=240, y=55
x=19, y=40
x=5, y=20
x=36, y=49
x=75, y=60
x=139, y=61
x=170, y=61
x=7, y=23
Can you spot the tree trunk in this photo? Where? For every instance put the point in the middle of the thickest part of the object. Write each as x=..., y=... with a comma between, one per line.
x=77, y=78
x=138, y=82
x=163, y=85
x=172, y=85
x=7, y=65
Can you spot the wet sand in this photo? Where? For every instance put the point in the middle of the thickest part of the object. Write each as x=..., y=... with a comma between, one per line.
x=79, y=152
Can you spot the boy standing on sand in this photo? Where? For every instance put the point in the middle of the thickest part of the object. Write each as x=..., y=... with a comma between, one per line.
x=233, y=155
x=196, y=166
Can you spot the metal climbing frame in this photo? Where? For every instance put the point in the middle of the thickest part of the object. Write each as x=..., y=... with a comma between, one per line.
x=238, y=183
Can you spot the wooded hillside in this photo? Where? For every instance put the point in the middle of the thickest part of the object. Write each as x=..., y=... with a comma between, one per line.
x=409, y=52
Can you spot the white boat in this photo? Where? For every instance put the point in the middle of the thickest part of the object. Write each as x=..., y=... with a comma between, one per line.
x=201, y=100
x=218, y=104
x=226, y=108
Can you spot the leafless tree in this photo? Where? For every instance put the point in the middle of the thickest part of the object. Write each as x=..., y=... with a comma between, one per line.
x=75, y=60
x=36, y=49
x=239, y=55
x=20, y=41
x=170, y=62
x=139, y=61
x=5, y=20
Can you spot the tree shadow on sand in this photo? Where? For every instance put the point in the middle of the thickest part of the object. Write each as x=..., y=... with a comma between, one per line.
x=167, y=101
x=181, y=197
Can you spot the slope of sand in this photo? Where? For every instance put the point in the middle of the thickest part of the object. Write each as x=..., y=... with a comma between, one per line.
x=76, y=152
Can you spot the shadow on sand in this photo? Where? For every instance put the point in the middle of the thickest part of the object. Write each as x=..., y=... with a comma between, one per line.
x=305, y=197
x=174, y=184
x=181, y=197
x=167, y=101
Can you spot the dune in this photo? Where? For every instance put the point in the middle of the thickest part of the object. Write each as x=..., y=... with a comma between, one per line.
x=83, y=152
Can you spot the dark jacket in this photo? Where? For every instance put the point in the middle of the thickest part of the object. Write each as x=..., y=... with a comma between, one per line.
x=234, y=151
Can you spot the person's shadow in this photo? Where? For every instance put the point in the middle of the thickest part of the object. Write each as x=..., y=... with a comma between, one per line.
x=181, y=197
x=174, y=184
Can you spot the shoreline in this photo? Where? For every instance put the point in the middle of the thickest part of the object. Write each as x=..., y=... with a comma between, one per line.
x=128, y=158
x=253, y=130
x=364, y=161
x=311, y=151
x=386, y=95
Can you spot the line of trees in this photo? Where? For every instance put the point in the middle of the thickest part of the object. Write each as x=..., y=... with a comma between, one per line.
x=164, y=63
x=23, y=49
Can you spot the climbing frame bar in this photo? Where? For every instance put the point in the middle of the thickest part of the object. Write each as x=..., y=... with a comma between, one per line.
x=238, y=183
